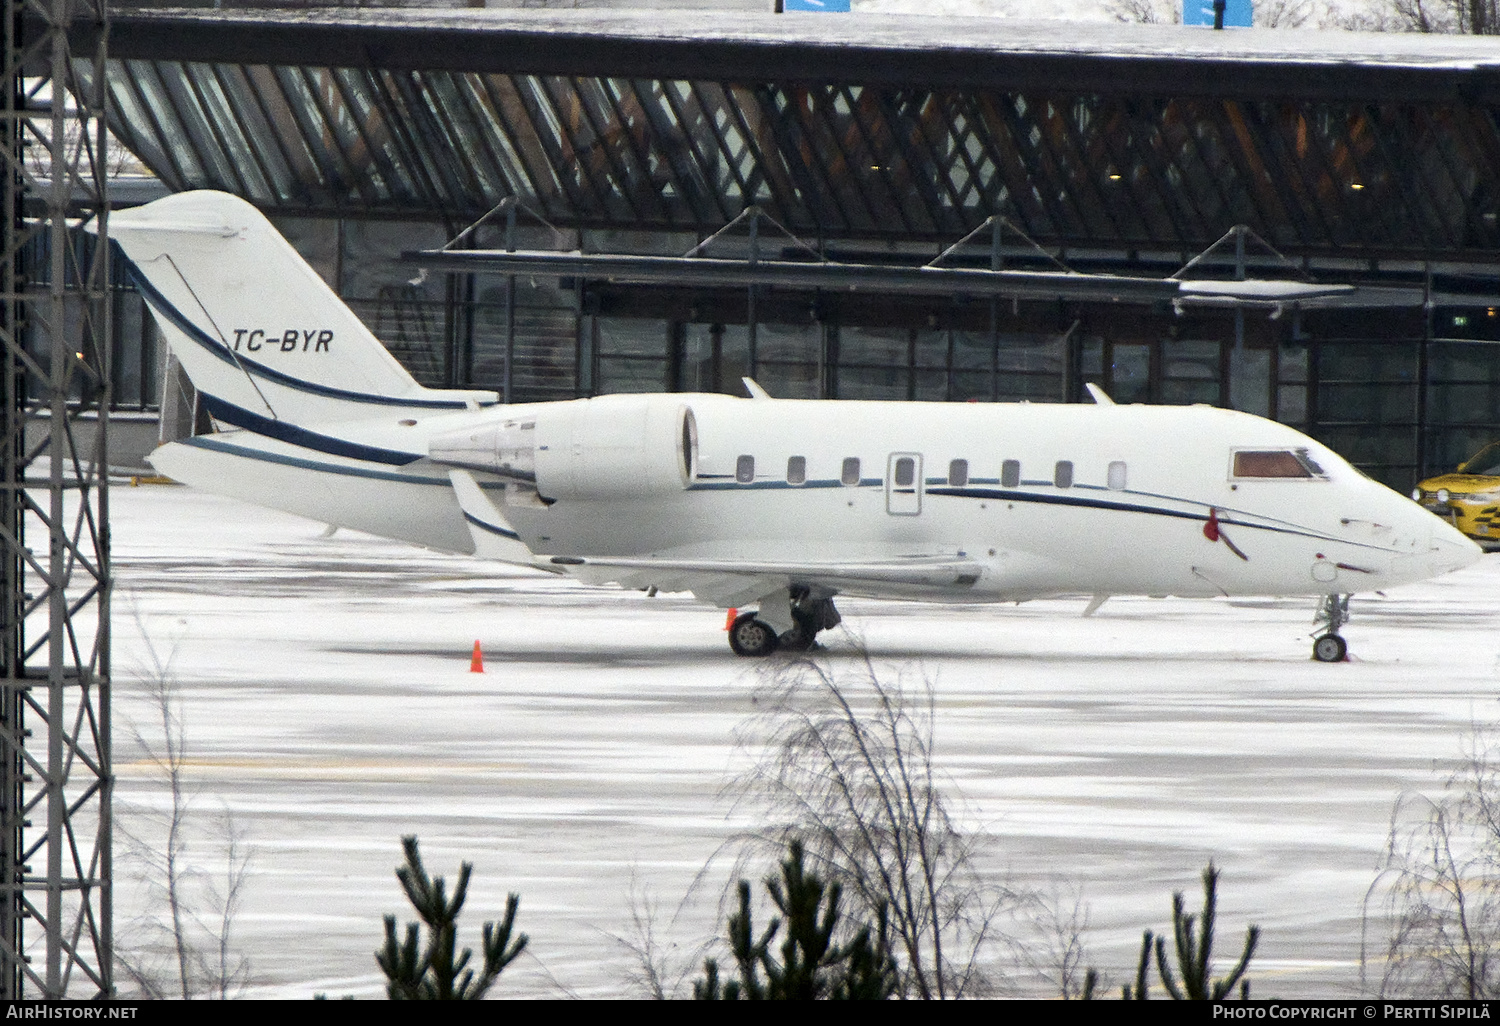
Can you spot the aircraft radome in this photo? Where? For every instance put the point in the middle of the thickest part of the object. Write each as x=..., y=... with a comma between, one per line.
x=772, y=503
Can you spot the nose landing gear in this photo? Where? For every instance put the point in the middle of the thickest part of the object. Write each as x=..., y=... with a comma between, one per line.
x=1329, y=647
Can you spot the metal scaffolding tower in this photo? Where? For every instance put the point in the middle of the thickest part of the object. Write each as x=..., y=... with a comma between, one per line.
x=55, y=771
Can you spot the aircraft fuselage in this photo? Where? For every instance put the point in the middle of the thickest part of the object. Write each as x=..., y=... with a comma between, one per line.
x=1041, y=499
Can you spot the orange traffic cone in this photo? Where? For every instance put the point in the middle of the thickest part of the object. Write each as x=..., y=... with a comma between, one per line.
x=729, y=620
x=476, y=665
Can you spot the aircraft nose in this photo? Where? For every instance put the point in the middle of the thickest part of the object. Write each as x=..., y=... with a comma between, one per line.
x=1448, y=550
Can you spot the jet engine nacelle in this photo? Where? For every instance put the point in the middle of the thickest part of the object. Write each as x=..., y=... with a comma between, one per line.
x=609, y=447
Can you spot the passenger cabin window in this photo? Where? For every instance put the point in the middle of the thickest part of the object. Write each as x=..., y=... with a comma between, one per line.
x=1010, y=473
x=796, y=469
x=958, y=473
x=1062, y=474
x=744, y=469
x=850, y=474
x=906, y=472
x=1284, y=464
x=1117, y=475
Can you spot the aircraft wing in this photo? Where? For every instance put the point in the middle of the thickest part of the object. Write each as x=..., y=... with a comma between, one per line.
x=727, y=580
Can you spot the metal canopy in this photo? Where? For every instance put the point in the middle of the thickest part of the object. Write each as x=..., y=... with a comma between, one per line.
x=874, y=49
x=832, y=276
x=873, y=128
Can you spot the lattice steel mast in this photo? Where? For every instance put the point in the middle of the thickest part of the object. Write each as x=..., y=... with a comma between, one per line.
x=55, y=769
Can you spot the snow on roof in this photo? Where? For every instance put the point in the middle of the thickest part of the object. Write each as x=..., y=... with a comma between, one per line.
x=874, y=32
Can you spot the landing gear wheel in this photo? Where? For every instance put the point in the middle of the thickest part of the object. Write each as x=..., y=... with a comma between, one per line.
x=751, y=637
x=1330, y=648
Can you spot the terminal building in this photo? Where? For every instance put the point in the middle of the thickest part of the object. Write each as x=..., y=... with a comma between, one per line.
x=836, y=206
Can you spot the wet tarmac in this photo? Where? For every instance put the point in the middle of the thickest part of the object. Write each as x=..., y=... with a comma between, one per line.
x=328, y=704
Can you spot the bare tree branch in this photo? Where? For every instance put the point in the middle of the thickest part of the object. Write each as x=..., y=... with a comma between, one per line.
x=660, y=967
x=848, y=766
x=193, y=934
x=1465, y=17
x=1146, y=12
x=1060, y=917
x=1439, y=886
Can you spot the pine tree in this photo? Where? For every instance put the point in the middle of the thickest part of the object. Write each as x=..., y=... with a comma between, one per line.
x=1195, y=950
x=811, y=964
x=436, y=974
x=1142, y=971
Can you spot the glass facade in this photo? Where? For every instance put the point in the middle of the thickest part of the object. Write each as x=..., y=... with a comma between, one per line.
x=360, y=164
x=1463, y=400
x=137, y=353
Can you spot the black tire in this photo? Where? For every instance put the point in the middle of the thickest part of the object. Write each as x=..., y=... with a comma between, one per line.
x=750, y=637
x=1330, y=648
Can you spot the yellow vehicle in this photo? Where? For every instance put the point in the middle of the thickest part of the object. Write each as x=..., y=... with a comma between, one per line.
x=1469, y=498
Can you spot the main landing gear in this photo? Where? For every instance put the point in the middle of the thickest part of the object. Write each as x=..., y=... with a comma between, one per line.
x=789, y=620
x=1328, y=647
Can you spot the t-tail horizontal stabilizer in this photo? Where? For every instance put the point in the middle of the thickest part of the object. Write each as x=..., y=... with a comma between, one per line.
x=262, y=336
x=494, y=538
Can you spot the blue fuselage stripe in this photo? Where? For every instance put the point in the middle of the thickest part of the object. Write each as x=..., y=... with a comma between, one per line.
x=281, y=430
x=322, y=443
x=1225, y=517
x=216, y=445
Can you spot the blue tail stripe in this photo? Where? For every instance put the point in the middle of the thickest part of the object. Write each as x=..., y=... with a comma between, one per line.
x=163, y=306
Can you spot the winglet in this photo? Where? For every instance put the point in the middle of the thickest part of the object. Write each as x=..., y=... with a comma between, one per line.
x=1094, y=604
x=756, y=392
x=1100, y=396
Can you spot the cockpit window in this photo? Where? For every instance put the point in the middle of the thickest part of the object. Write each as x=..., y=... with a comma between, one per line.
x=1285, y=464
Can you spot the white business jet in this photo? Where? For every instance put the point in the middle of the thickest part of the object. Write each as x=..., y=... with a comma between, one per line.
x=775, y=504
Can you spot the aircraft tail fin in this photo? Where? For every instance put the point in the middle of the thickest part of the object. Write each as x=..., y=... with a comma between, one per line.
x=262, y=336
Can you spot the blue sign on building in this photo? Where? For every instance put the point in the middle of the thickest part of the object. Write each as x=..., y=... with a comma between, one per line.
x=1237, y=13
x=817, y=5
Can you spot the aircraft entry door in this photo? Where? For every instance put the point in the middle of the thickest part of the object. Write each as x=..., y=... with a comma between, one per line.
x=903, y=484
